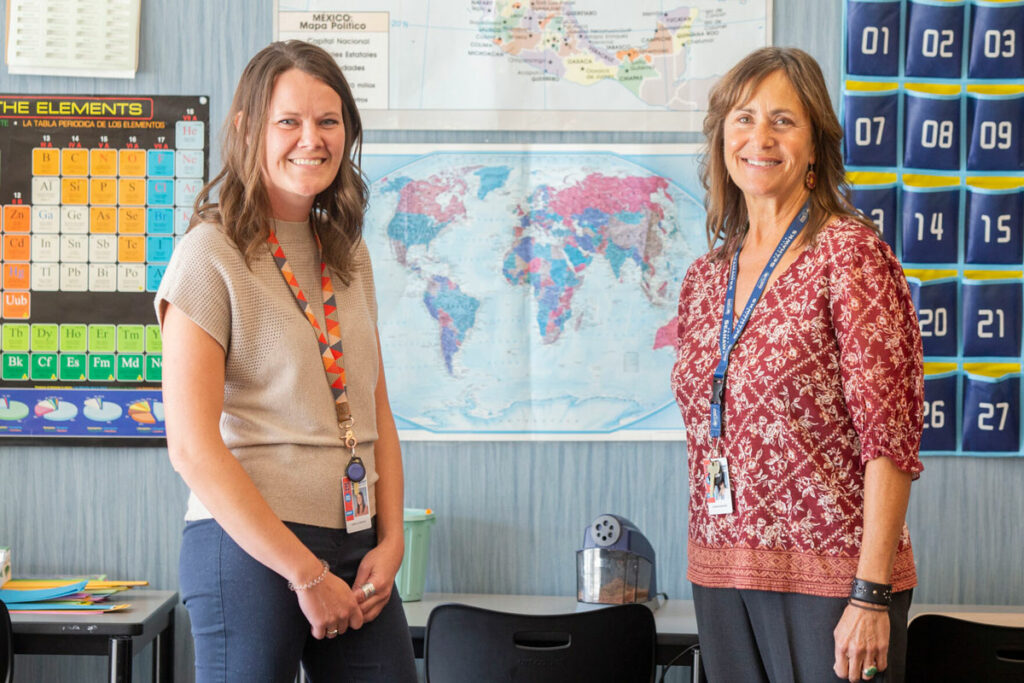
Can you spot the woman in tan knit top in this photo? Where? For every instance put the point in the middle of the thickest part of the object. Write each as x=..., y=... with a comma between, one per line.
x=277, y=410
x=799, y=375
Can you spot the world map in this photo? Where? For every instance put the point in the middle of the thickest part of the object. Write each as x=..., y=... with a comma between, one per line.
x=529, y=293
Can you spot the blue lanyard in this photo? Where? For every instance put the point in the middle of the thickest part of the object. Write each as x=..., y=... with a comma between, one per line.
x=729, y=334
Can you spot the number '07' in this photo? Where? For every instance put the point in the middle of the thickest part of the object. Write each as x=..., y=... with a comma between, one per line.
x=862, y=130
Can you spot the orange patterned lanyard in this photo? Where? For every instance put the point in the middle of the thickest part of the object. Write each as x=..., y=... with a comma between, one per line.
x=330, y=344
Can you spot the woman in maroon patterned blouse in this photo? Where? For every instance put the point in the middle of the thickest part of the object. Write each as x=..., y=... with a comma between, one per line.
x=801, y=563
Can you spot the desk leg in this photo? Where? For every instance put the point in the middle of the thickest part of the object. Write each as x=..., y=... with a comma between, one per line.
x=163, y=653
x=697, y=674
x=120, y=669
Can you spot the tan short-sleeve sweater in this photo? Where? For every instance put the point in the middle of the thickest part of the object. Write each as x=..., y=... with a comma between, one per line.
x=278, y=417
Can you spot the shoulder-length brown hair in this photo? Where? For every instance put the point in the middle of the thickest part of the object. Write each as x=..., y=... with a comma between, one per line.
x=242, y=205
x=727, y=219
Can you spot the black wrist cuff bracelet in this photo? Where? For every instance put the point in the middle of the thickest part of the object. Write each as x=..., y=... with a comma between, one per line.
x=875, y=593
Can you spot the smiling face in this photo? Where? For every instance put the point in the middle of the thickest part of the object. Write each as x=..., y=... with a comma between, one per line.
x=768, y=142
x=304, y=143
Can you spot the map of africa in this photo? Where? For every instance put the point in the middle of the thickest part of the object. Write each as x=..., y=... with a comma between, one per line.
x=529, y=293
x=547, y=64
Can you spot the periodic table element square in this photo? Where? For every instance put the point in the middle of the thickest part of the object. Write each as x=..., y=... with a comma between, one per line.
x=103, y=190
x=16, y=337
x=995, y=233
x=74, y=190
x=45, y=190
x=74, y=219
x=870, y=121
x=991, y=420
x=932, y=134
x=931, y=218
x=74, y=277
x=45, y=218
x=45, y=337
x=131, y=249
x=45, y=277
x=17, y=305
x=74, y=338
x=102, y=338
x=160, y=192
x=189, y=134
x=102, y=249
x=935, y=39
x=160, y=163
x=186, y=190
x=940, y=411
x=997, y=36
x=17, y=247
x=131, y=338
x=74, y=248
x=131, y=162
x=994, y=123
x=873, y=38
x=158, y=249
x=154, y=341
x=74, y=161
x=17, y=218
x=160, y=221
x=102, y=277
x=131, y=220
x=131, y=191
x=45, y=161
x=991, y=317
x=937, y=315
x=189, y=163
x=131, y=277
x=15, y=276
x=102, y=162
x=182, y=218
x=45, y=248
x=103, y=220
x=154, y=274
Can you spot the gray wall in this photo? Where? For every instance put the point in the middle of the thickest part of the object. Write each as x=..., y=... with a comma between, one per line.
x=510, y=515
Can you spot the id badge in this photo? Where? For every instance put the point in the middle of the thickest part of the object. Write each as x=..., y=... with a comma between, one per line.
x=717, y=486
x=356, y=495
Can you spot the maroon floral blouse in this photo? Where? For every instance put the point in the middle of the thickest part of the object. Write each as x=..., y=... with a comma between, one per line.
x=826, y=376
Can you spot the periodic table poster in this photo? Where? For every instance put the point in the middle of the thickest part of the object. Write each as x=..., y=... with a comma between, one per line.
x=933, y=111
x=94, y=192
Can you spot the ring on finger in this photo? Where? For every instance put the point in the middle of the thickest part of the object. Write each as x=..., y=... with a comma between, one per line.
x=869, y=672
x=332, y=632
x=368, y=590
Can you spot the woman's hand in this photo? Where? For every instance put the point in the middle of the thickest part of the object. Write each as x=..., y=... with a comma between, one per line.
x=379, y=567
x=330, y=607
x=862, y=641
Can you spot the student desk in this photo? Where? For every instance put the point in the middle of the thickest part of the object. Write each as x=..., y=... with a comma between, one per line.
x=114, y=634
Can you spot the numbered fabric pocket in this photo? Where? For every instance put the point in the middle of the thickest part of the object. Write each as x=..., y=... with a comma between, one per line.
x=940, y=412
x=935, y=39
x=873, y=38
x=935, y=302
x=991, y=317
x=932, y=134
x=997, y=32
x=878, y=204
x=930, y=219
x=994, y=226
x=994, y=122
x=991, y=413
x=870, y=128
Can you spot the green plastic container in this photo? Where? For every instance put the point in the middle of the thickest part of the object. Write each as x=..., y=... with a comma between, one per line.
x=413, y=573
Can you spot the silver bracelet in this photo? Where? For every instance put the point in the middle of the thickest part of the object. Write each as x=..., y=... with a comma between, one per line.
x=310, y=584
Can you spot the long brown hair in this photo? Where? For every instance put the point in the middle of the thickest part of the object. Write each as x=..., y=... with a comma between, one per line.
x=243, y=205
x=727, y=219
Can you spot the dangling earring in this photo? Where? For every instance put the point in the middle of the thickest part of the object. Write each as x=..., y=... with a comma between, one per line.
x=811, y=179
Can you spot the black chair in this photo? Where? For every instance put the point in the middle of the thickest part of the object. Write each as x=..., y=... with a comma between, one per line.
x=941, y=648
x=6, y=645
x=613, y=644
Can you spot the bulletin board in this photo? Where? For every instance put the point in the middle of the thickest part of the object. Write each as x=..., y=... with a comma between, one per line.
x=932, y=107
x=94, y=192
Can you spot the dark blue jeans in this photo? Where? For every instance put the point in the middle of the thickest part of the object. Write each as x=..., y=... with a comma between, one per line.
x=248, y=626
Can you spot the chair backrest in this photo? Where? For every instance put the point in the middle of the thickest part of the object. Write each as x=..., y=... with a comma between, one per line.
x=941, y=648
x=614, y=644
x=6, y=645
